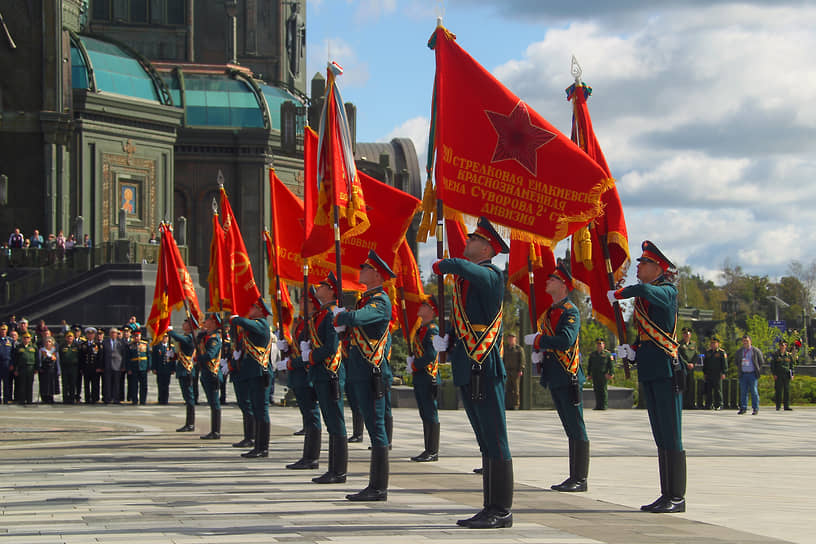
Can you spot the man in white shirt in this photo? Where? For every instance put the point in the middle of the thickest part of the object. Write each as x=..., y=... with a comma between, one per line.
x=749, y=361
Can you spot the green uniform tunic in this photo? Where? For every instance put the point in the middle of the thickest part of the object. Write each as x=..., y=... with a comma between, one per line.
x=425, y=373
x=687, y=354
x=185, y=348
x=600, y=364
x=164, y=365
x=300, y=382
x=565, y=322
x=654, y=365
x=137, y=366
x=482, y=289
x=208, y=356
x=69, y=364
x=782, y=368
x=715, y=365
x=256, y=373
x=372, y=316
x=25, y=366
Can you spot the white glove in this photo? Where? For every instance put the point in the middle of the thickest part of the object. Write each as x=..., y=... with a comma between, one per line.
x=236, y=354
x=340, y=329
x=305, y=345
x=304, y=353
x=537, y=357
x=610, y=295
x=283, y=345
x=337, y=310
x=170, y=328
x=530, y=339
x=224, y=366
x=440, y=343
x=409, y=362
x=233, y=316
x=625, y=351
x=282, y=364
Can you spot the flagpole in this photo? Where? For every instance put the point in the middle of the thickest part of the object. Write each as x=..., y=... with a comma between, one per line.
x=532, y=297
x=440, y=280
x=401, y=291
x=610, y=278
x=337, y=256
x=305, y=296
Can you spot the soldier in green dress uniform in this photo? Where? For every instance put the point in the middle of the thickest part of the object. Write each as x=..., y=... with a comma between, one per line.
x=556, y=347
x=424, y=366
x=322, y=355
x=254, y=343
x=91, y=364
x=208, y=357
x=687, y=354
x=715, y=365
x=600, y=368
x=301, y=384
x=138, y=365
x=782, y=363
x=185, y=369
x=514, y=366
x=473, y=343
x=659, y=371
x=69, y=363
x=164, y=366
x=25, y=367
x=367, y=327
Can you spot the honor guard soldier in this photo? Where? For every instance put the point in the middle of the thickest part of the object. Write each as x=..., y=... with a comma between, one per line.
x=424, y=366
x=6, y=349
x=659, y=371
x=25, y=366
x=367, y=327
x=687, y=354
x=301, y=384
x=241, y=387
x=164, y=366
x=90, y=360
x=474, y=345
x=782, y=363
x=715, y=365
x=185, y=369
x=601, y=368
x=556, y=348
x=69, y=364
x=48, y=368
x=255, y=342
x=208, y=357
x=138, y=366
x=322, y=355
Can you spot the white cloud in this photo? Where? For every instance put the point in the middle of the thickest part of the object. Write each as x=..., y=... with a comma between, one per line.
x=355, y=70
x=417, y=130
x=371, y=10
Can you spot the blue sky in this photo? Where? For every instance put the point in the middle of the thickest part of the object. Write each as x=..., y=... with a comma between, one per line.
x=706, y=110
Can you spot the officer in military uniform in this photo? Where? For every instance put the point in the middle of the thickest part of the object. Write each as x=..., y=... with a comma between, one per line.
x=241, y=387
x=514, y=366
x=163, y=357
x=715, y=365
x=137, y=366
x=424, y=366
x=6, y=375
x=474, y=346
x=69, y=364
x=600, y=368
x=254, y=345
x=687, y=354
x=25, y=367
x=659, y=371
x=48, y=369
x=90, y=360
x=556, y=347
x=323, y=356
x=301, y=385
x=367, y=327
x=185, y=369
x=782, y=363
x=208, y=357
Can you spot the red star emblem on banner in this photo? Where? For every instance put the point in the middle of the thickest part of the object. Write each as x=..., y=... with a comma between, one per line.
x=518, y=138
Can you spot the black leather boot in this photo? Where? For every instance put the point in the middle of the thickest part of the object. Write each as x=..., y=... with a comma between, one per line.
x=215, y=425
x=485, y=472
x=356, y=426
x=431, y=452
x=338, y=461
x=389, y=429
x=675, y=500
x=425, y=434
x=261, y=448
x=249, y=433
x=311, y=451
x=579, y=468
x=189, y=422
x=377, y=489
x=498, y=514
x=662, y=460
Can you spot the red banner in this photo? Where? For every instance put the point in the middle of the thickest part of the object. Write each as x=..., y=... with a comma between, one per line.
x=220, y=296
x=409, y=280
x=284, y=302
x=498, y=158
x=523, y=256
x=242, y=280
x=174, y=288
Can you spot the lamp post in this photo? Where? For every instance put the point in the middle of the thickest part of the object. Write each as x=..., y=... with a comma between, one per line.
x=730, y=308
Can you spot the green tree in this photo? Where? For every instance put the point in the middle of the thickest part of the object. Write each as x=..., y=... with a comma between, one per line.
x=761, y=333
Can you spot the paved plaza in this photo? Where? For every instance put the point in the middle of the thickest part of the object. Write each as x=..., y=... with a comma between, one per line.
x=82, y=474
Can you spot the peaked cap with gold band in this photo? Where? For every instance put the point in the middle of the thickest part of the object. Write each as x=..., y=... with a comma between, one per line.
x=313, y=296
x=261, y=303
x=430, y=300
x=331, y=283
x=563, y=274
x=215, y=317
x=486, y=231
x=654, y=255
x=375, y=262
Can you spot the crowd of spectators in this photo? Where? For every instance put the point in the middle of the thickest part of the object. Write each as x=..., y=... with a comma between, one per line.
x=58, y=243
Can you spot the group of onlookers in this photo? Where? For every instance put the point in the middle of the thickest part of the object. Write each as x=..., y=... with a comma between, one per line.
x=59, y=242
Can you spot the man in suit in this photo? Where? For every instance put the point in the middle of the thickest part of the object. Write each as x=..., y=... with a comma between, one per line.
x=749, y=363
x=114, y=353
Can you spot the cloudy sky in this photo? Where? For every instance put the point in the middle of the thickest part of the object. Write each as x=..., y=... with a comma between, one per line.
x=705, y=110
